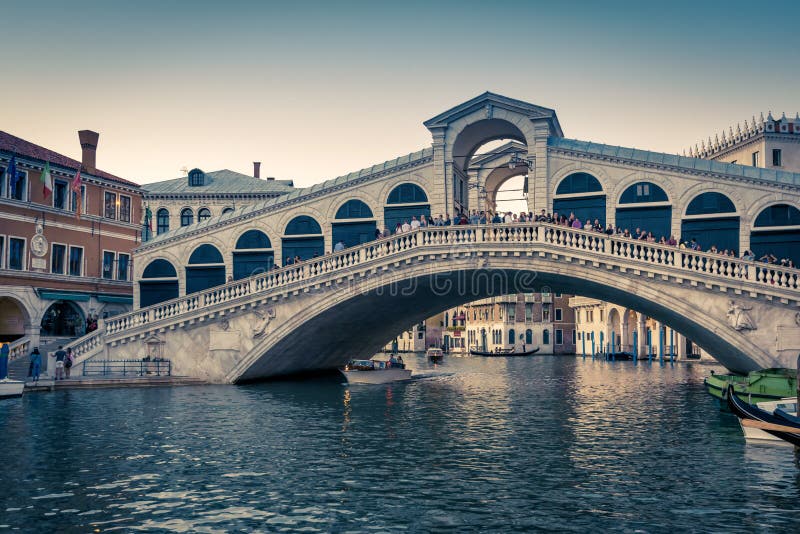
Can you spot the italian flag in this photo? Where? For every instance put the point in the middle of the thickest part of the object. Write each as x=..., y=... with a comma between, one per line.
x=47, y=180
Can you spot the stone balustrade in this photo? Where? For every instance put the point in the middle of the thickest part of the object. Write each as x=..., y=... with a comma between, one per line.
x=624, y=253
x=19, y=348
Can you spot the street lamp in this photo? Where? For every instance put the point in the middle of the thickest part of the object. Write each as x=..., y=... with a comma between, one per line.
x=516, y=159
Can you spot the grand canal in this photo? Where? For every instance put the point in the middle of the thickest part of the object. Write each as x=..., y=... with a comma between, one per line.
x=498, y=445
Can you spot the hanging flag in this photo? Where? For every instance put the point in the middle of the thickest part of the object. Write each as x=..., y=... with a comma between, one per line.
x=76, y=188
x=47, y=180
x=12, y=176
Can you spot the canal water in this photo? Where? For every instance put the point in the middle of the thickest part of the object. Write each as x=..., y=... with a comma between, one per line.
x=492, y=445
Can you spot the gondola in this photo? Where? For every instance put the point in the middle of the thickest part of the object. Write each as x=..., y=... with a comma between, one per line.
x=746, y=411
x=482, y=353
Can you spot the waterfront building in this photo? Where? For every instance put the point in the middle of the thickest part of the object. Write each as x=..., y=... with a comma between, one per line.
x=410, y=340
x=604, y=327
x=65, y=256
x=521, y=322
x=201, y=195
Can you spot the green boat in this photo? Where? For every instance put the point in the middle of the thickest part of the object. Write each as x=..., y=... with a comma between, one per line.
x=758, y=386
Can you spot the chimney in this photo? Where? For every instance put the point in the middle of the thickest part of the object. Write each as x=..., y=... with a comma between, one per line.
x=88, y=141
x=257, y=169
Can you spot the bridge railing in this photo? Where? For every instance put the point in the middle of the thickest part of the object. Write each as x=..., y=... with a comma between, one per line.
x=600, y=245
x=19, y=348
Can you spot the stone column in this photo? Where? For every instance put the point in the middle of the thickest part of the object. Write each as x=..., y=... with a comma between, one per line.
x=642, y=334
x=539, y=176
x=439, y=194
x=680, y=340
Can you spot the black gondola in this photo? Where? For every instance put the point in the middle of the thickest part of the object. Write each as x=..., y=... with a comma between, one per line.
x=747, y=411
x=482, y=353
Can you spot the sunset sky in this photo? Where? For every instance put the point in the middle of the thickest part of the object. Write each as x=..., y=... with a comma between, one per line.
x=319, y=89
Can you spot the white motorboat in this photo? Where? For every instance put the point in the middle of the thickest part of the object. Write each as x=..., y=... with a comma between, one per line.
x=375, y=372
x=435, y=354
x=788, y=405
x=11, y=388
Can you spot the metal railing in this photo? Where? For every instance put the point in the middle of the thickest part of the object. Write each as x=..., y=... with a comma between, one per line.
x=142, y=368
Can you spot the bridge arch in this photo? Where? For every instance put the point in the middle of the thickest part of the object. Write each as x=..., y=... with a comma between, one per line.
x=580, y=193
x=205, y=268
x=302, y=236
x=353, y=223
x=253, y=254
x=158, y=283
x=776, y=231
x=644, y=204
x=404, y=201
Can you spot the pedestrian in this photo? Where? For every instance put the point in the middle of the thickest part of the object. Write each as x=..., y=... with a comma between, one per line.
x=377, y=233
x=36, y=364
x=414, y=223
x=4, y=352
x=339, y=246
x=61, y=355
x=406, y=227
x=69, y=361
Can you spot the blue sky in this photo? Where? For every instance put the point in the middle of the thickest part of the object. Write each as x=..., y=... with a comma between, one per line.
x=318, y=89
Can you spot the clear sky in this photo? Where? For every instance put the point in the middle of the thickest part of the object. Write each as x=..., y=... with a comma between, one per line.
x=319, y=89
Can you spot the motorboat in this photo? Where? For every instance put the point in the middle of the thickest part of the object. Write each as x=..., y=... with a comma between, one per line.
x=758, y=386
x=11, y=388
x=375, y=371
x=747, y=411
x=504, y=352
x=435, y=354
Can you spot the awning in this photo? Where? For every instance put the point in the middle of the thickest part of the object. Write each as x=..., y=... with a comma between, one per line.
x=114, y=298
x=63, y=295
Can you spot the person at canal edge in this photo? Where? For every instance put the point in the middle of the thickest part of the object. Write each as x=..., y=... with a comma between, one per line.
x=60, y=357
x=36, y=364
x=68, y=361
x=4, y=360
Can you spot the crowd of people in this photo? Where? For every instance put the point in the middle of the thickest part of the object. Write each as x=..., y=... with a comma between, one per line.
x=571, y=221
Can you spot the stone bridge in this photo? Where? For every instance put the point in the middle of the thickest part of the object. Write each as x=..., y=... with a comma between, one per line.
x=321, y=313
x=333, y=307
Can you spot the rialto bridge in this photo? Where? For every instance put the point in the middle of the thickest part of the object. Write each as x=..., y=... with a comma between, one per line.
x=331, y=307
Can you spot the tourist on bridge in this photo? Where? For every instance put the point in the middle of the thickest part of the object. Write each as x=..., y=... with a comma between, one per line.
x=339, y=246
x=474, y=218
x=414, y=223
x=423, y=221
x=694, y=245
x=36, y=364
x=399, y=228
x=60, y=357
x=405, y=228
x=482, y=219
x=496, y=219
x=378, y=233
x=747, y=255
x=577, y=224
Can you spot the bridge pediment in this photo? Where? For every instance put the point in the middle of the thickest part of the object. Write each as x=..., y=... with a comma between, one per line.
x=488, y=103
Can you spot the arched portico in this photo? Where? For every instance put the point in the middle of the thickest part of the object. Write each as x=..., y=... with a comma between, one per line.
x=14, y=319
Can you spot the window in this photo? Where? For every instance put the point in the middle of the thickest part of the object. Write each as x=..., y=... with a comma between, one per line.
x=643, y=190
x=776, y=157
x=546, y=314
x=57, y=257
x=19, y=191
x=187, y=216
x=528, y=313
x=203, y=214
x=557, y=295
x=558, y=314
x=60, y=194
x=16, y=253
x=546, y=336
x=162, y=221
x=559, y=337
x=2, y=249
x=124, y=208
x=75, y=261
x=511, y=336
x=755, y=158
x=122, y=266
x=573, y=337
x=196, y=178
x=110, y=206
x=227, y=210
x=74, y=199
x=108, y=265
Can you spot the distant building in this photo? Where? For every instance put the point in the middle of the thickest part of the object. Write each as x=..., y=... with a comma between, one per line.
x=411, y=340
x=202, y=195
x=766, y=143
x=58, y=267
x=522, y=321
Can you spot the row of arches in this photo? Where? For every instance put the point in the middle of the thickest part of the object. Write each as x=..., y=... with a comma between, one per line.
x=253, y=253
x=711, y=218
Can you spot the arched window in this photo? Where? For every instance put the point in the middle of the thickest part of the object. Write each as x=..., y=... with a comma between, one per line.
x=511, y=336
x=581, y=193
x=206, y=269
x=196, y=178
x=529, y=336
x=308, y=243
x=227, y=210
x=775, y=232
x=353, y=233
x=710, y=219
x=404, y=202
x=354, y=209
x=159, y=283
x=203, y=214
x=546, y=336
x=162, y=221
x=187, y=216
x=253, y=254
x=654, y=219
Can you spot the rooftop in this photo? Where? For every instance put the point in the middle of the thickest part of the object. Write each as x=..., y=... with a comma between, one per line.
x=16, y=145
x=221, y=182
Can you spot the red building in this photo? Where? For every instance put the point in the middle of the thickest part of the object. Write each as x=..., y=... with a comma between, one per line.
x=65, y=257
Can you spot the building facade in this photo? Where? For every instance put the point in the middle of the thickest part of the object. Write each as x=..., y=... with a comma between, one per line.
x=65, y=256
